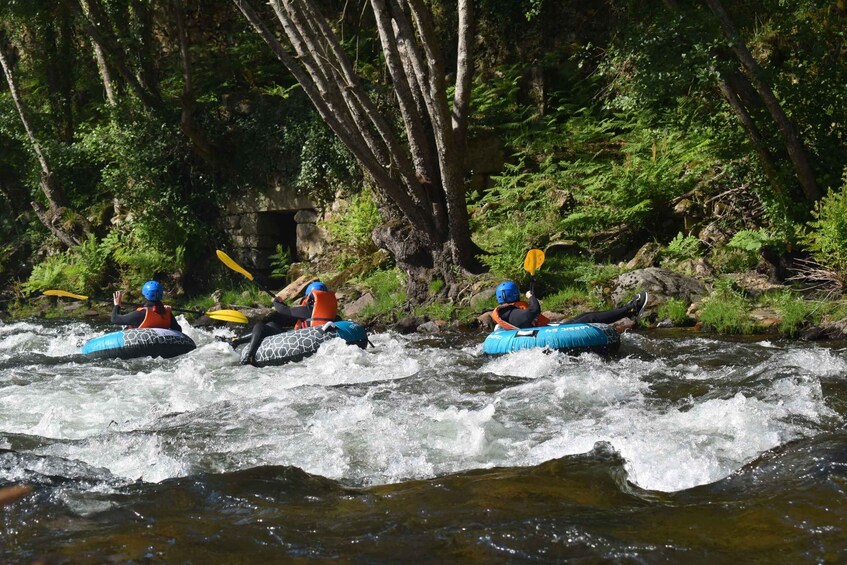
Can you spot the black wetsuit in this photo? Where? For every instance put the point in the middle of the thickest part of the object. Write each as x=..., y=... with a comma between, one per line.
x=524, y=317
x=135, y=317
x=282, y=319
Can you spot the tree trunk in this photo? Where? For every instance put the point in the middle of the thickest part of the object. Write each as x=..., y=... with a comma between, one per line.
x=98, y=29
x=730, y=91
x=192, y=130
x=52, y=217
x=418, y=176
x=791, y=138
x=105, y=75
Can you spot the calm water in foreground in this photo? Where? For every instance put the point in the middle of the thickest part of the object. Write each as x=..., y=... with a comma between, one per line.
x=679, y=449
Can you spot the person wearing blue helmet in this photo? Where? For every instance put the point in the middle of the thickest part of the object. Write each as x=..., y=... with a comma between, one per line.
x=318, y=306
x=512, y=313
x=152, y=314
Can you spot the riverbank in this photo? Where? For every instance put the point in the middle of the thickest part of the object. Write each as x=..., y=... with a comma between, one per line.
x=744, y=303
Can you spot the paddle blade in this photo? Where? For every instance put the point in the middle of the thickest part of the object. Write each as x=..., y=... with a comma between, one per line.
x=534, y=260
x=227, y=260
x=64, y=294
x=228, y=316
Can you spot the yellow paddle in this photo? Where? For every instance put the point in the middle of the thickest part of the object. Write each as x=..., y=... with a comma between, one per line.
x=229, y=262
x=533, y=261
x=223, y=315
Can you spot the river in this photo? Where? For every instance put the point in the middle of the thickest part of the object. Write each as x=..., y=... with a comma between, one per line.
x=682, y=447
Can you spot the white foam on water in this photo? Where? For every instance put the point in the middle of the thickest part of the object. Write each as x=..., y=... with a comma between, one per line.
x=405, y=409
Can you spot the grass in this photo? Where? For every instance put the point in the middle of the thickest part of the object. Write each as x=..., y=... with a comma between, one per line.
x=675, y=310
x=726, y=311
x=388, y=288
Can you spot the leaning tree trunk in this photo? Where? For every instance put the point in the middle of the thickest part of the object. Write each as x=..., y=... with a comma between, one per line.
x=53, y=217
x=729, y=88
x=791, y=139
x=417, y=175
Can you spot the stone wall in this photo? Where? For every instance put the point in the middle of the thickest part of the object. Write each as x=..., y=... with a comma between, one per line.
x=257, y=223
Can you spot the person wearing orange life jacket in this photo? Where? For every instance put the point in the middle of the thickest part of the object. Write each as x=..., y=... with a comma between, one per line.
x=318, y=306
x=513, y=314
x=153, y=314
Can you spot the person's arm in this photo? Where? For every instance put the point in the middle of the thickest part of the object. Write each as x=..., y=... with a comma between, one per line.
x=134, y=318
x=131, y=319
x=523, y=317
x=290, y=315
x=174, y=324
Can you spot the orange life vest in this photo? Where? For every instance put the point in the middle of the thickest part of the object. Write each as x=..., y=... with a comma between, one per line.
x=539, y=321
x=154, y=319
x=324, y=310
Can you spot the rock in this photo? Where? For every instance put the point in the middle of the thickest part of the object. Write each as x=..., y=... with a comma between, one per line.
x=765, y=318
x=430, y=327
x=480, y=300
x=661, y=284
x=624, y=324
x=485, y=320
x=754, y=283
x=645, y=257
x=814, y=333
x=407, y=325
x=830, y=330
x=714, y=234
x=697, y=267
x=666, y=323
x=296, y=288
x=356, y=308
x=554, y=316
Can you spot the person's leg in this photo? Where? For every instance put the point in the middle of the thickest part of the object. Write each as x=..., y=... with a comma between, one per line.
x=260, y=331
x=602, y=317
x=256, y=337
x=631, y=309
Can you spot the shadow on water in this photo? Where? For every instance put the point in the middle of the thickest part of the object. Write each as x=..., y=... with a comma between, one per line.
x=787, y=506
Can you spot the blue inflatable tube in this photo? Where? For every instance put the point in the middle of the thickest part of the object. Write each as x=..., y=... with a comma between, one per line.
x=571, y=338
x=138, y=342
x=295, y=345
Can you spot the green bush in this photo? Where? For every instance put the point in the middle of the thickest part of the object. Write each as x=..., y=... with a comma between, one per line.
x=675, y=310
x=565, y=299
x=80, y=269
x=436, y=311
x=683, y=247
x=280, y=262
x=351, y=231
x=826, y=236
x=389, y=291
x=725, y=311
x=794, y=312
x=732, y=260
x=435, y=286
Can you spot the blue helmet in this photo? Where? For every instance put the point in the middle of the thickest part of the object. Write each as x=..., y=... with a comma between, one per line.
x=507, y=291
x=316, y=285
x=152, y=291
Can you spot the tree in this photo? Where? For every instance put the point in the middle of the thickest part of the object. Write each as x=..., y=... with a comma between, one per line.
x=55, y=216
x=417, y=172
x=793, y=144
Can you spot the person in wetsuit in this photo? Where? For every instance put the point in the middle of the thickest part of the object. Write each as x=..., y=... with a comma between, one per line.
x=512, y=313
x=318, y=307
x=153, y=314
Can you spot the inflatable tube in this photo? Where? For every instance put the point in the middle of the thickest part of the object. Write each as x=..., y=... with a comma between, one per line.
x=295, y=345
x=138, y=342
x=571, y=338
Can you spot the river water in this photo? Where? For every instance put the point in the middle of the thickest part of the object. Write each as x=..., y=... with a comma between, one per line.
x=679, y=448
